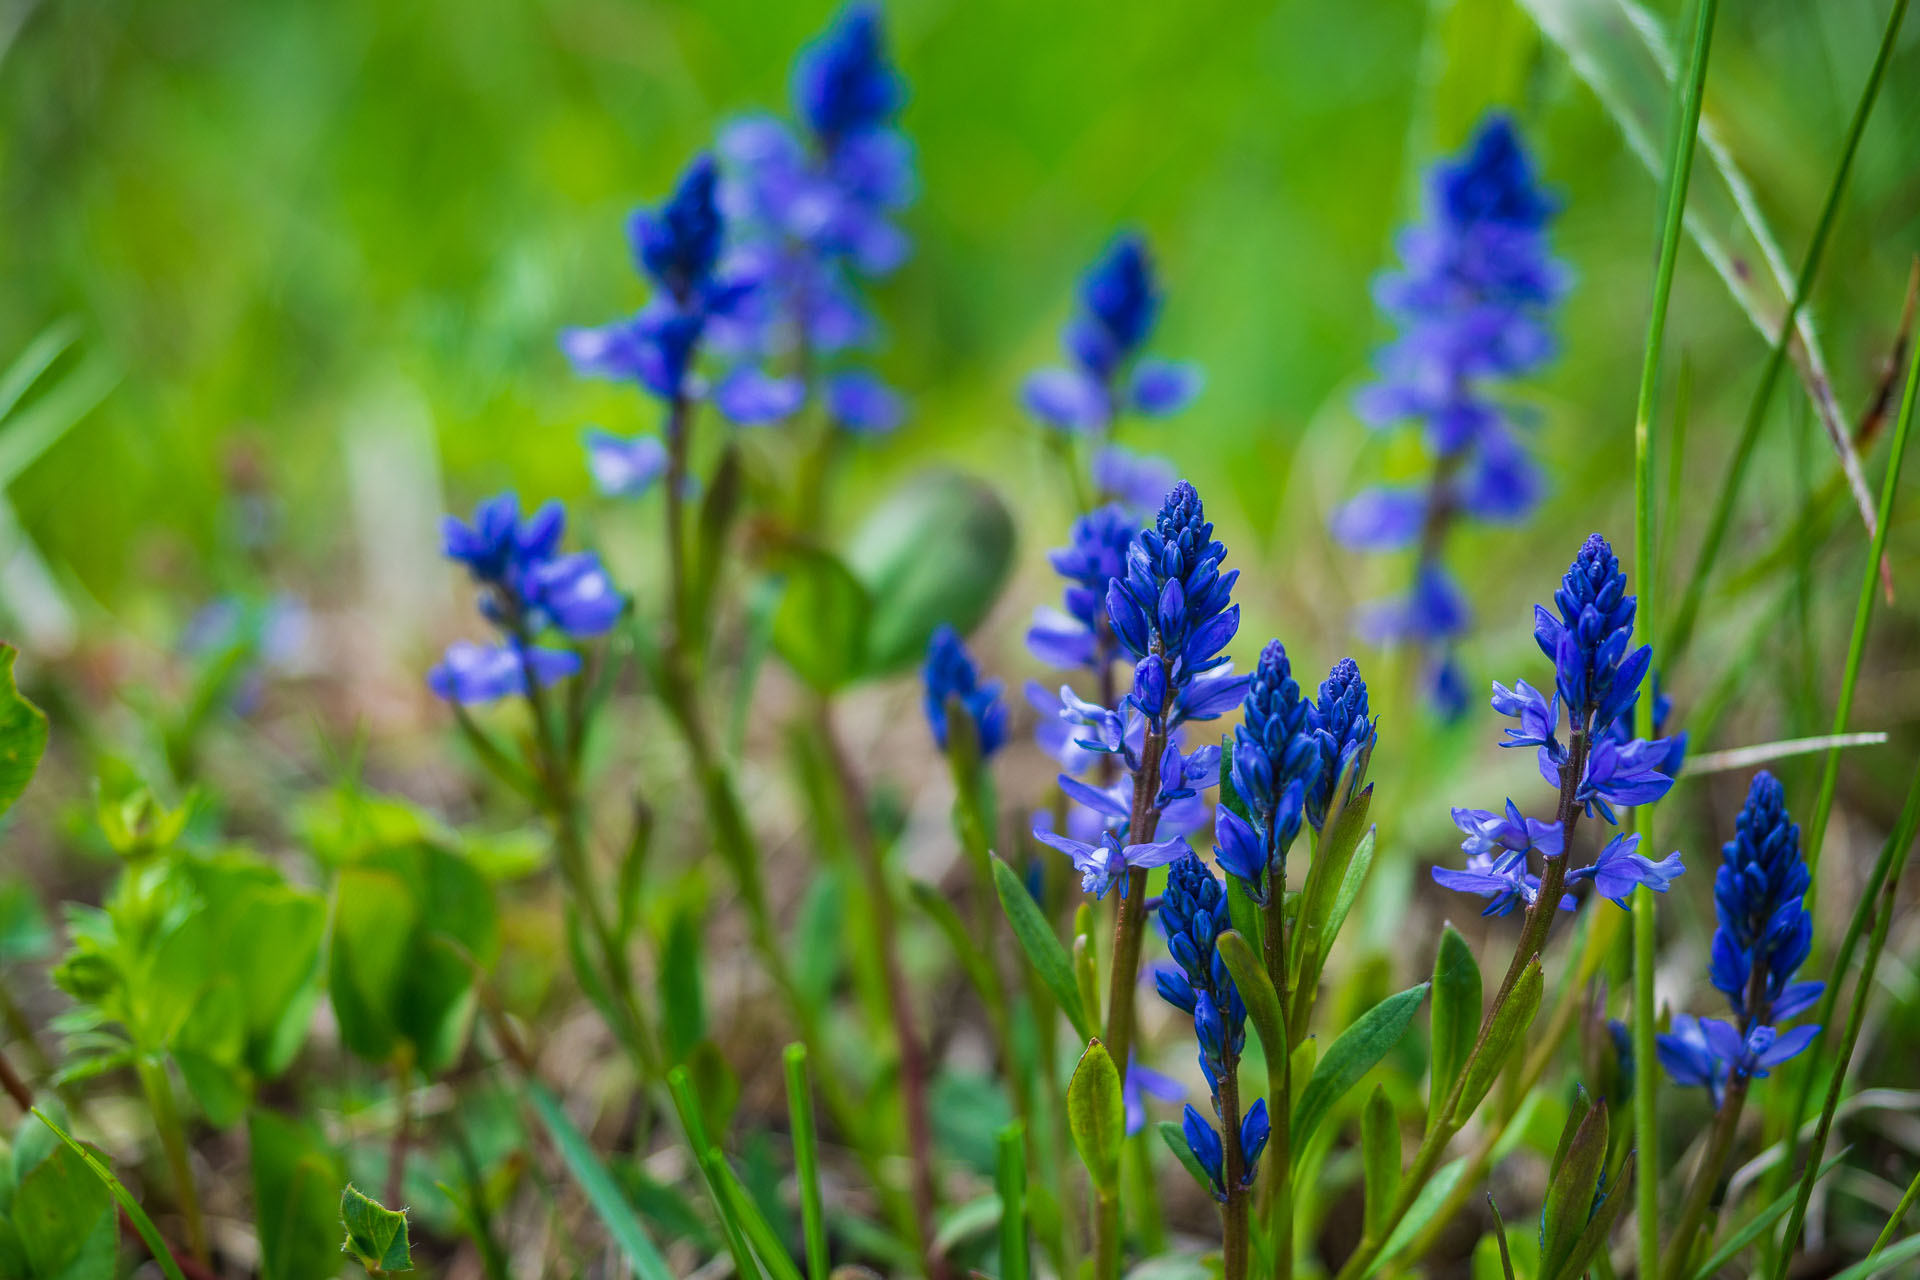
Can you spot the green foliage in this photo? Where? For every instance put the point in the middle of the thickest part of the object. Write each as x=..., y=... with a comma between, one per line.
x=615, y=1214
x=409, y=925
x=1454, y=1016
x=377, y=1237
x=1379, y=1157
x=23, y=734
x=1043, y=949
x=1504, y=1036
x=1351, y=1056
x=1096, y=1116
x=821, y=627
x=295, y=1172
x=64, y=1198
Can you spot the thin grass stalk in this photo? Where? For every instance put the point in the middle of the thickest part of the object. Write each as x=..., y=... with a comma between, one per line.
x=1856, y=1016
x=1679, y=174
x=1862, y=618
x=1011, y=1181
x=806, y=1162
x=1689, y=611
x=1898, y=1216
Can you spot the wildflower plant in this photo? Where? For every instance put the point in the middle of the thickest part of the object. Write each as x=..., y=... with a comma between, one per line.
x=1473, y=302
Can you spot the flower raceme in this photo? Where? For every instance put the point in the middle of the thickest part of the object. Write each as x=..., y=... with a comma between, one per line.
x=1763, y=937
x=1472, y=301
x=1596, y=680
x=950, y=674
x=527, y=587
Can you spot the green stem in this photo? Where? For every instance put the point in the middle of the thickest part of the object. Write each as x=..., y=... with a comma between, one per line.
x=1679, y=175
x=1684, y=620
x=806, y=1162
x=1898, y=1216
x=1233, y=1214
x=1277, y=1185
x=1706, y=1180
x=173, y=1141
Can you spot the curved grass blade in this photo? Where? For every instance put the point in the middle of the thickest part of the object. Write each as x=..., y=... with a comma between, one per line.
x=806, y=1162
x=149, y=1233
x=609, y=1204
x=1757, y=1225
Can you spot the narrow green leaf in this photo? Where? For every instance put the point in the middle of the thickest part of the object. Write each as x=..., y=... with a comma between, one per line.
x=1372, y=1035
x=1036, y=937
x=1010, y=1181
x=960, y=936
x=683, y=1006
x=1757, y=1226
x=1432, y=1198
x=1575, y=1177
x=1509, y=1027
x=1593, y=1239
x=1333, y=855
x=806, y=1162
x=149, y=1233
x=753, y=1224
x=719, y=507
x=377, y=1237
x=1454, y=1017
x=34, y=361
x=1096, y=1116
x=1500, y=1236
x=1256, y=989
x=687, y=1105
x=23, y=734
x=1880, y=1263
x=38, y=427
x=1380, y=1158
x=602, y=1192
x=1176, y=1140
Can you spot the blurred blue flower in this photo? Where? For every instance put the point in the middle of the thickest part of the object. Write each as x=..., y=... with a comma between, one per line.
x=472, y=673
x=1119, y=303
x=1138, y=482
x=1095, y=554
x=625, y=466
x=1472, y=302
x=949, y=673
x=1144, y=1082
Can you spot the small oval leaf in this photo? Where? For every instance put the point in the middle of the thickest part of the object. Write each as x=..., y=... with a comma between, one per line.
x=1096, y=1116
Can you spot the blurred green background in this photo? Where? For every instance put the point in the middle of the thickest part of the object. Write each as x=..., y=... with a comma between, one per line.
x=319, y=253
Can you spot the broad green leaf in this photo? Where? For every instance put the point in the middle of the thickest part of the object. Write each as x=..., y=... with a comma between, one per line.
x=1176, y=1139
x=682, y=1005
x=1379, y=1158
x=1256, y=989
x=59, y=1211
x=377, y=1237
x=1043, y=949
x=1350, y=1057
x=821, y=627
x=294, y=1174
x=374, y=922
x=615, y=1214
x=938, y=550
x=1096, y=1116
x=1454, y=1016
x=23, y=734
x=1574, y=1178
x=1508, y=1029
x=128, y=1205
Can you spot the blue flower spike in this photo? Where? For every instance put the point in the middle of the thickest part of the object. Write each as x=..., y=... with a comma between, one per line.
x=949, y=677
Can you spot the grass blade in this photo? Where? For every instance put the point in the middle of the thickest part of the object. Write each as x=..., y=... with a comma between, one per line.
x=1900, y=847
x=1898, y=1216
x=753, y=1224
x=1737, y=758
x=34, y=361
x=149, y=1233
x=1756, y=1226
x=608, y=1202
x=1010, y=1178
x=680, y=1085
x=1683, y=623
x=1862, y=614
x=806, y=1161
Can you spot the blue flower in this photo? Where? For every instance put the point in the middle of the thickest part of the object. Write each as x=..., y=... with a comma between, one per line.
x=573, y=594
x=1207, y=1150
x=1594, y=674
x=1346, y=737
x=1764, y=935
x=950, y=674
x=860, y=402
x=1488, y=833
x=1119, y=303
x=678, y=244
x=1472, y=301
x=1143, y=1082
x=1621, y=868
x=499, y=544
x=1138, y=482
x=1103, y=862
x=623, y=466
x=1276, y=761
x=472, y=673
x=1502, y=879
x=1622, y=730
x=1096, y=554
x=843, y=84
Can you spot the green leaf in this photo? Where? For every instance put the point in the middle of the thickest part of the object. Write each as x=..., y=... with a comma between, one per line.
x=1176, y=1139
x=806, y=1161
x=1010, y=1187
x=1509, y=1026
x=1757, y=1225
x=960, y=935
x=718, y=509
x=131, y=1207
x=821, y=627
x=938, y=550
x=609, y=1205
x=1380, y=1158
x=1096, y=1116
x=1879, y=1263
x=1256, y=989
x=1350, y=1057
x=294, y=1174
x=23, y=734
x=376, y=1235
x=1574, y=1177
x=682, y=1005
x=1432, y=1198
x=1036, y=937
x=1593, y=1238
x=1500, y=1235
x=24, y=932
x=1454, y=1016
x=59, y=1211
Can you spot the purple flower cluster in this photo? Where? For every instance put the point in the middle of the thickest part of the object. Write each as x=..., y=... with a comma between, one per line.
x=1107, y=373
x=1472, y=302
x=528, y=587
x=811, y=211
x=1290, y=756
x=1764, y=935
x=1596, y=679
x=1167, y=605
x=949, y=673
x=1193, y=913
